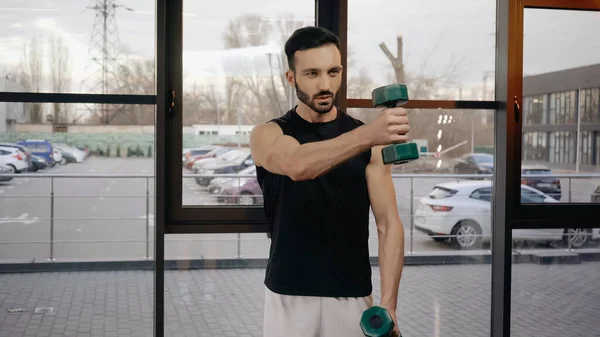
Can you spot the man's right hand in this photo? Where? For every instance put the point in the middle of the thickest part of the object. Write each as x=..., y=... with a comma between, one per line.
x=390, y=127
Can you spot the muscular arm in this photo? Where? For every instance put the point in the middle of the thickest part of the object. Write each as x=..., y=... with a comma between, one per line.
x=283, y=155
x=389, y=228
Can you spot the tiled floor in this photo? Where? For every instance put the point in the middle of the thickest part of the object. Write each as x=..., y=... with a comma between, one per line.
x=452, y=300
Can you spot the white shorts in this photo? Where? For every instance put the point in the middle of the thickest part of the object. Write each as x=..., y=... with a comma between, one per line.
x=306, y=316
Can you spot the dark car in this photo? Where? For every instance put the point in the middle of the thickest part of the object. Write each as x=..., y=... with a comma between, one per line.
x=39, y=163
x=549, y=185
x=475, y=163
x=5, y=173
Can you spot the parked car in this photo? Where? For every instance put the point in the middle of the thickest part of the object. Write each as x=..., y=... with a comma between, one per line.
x=40, y=147
x=217, y=185
x=189, y=163
x=39, y=163
x=231, y=162
x=475, y=163
x=28, y=154
x=14, y=159
x=222, y=155
x=549, y=185
x=188, y=153
x=73, y=151
x=460, y=212
x=246, y=191
x=5, y=171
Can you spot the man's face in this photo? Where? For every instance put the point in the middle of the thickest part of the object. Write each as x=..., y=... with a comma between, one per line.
x=318, y=77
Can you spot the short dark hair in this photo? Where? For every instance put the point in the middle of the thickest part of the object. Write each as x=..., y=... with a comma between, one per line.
x=308, y=38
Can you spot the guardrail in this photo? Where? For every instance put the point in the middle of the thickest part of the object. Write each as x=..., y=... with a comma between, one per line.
x=148, y=195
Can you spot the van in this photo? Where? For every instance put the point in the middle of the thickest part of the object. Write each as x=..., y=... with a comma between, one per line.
x=41, y=148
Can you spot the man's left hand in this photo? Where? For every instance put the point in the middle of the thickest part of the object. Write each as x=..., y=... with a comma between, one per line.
x=396, y=328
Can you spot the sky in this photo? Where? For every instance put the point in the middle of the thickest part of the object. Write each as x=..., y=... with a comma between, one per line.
x=435, y=33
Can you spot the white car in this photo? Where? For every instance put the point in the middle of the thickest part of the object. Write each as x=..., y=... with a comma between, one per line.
x=14, y=159
x=460, y=212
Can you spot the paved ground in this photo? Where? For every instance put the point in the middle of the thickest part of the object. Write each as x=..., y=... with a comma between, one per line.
x=549, y=301
x=25, y=226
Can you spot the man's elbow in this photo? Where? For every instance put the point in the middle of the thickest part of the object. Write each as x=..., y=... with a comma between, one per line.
x=299, y=172
x=390, y=224
x=294, y=169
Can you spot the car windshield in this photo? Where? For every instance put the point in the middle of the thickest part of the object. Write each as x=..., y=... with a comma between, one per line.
x=483, y=158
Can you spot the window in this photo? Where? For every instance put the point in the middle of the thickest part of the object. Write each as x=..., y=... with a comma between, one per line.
x=64, y=46
x=484, y=194
x=434, y=49
x=528, y=196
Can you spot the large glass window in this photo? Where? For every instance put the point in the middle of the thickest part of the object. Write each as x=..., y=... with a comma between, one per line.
x=539, y=300
x=569, y=150
x=446, y=212
x=82, y=198
x=76, y=219
x=64, y=46
x=440, y=50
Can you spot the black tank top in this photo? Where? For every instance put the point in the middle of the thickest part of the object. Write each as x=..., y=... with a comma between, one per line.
x=319, y=228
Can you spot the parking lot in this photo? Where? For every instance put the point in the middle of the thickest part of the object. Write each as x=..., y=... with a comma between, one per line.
x=109, y=218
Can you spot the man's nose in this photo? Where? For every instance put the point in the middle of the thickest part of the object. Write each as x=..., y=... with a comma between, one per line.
x=324, y=83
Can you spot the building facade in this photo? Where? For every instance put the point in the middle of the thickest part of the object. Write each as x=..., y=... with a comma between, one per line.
x=561, y=114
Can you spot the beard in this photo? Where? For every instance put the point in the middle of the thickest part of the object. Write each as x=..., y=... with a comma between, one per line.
x=321, y=108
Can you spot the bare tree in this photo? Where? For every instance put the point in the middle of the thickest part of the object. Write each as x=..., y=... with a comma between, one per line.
x=440, y=128
x=30, y=77
x=60, y=75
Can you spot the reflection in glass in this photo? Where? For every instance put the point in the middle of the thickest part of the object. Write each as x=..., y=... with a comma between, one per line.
x=561, y=91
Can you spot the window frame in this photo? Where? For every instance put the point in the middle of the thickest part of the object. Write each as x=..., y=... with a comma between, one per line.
x=531, y=216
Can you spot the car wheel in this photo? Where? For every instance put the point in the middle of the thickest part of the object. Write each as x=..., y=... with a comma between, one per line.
x=579, y=237
x=63, y=161
x=246, y=199
x=466, y=235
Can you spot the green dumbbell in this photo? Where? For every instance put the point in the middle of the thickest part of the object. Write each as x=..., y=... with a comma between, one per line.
x=391, y=96
x=377, y=322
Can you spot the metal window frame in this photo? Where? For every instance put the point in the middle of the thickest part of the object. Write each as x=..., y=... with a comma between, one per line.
x=533, y=216
x=54, y=97
x=188, y=219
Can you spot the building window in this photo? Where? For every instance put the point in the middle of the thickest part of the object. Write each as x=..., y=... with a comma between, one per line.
x=586, y=142
x=562, y=147
x=597, y=156
x=533, y=110
x=562, y=108
x=535, y=146
x=590, y=105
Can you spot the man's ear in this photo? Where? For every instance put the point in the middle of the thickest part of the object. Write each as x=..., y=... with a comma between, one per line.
x=289, y=74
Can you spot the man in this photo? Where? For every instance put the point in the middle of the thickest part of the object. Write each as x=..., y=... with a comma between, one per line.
x=320, y=171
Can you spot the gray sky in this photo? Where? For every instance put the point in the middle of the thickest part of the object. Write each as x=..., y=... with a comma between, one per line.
x=434, y=31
